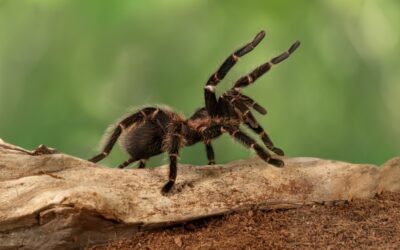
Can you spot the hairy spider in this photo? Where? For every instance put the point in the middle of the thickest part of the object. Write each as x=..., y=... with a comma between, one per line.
x=153, y=130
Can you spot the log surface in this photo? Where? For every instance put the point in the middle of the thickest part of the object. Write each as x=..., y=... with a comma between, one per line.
x=55, y=201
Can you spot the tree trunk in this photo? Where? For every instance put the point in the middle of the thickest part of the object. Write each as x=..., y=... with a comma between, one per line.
x=50, y=200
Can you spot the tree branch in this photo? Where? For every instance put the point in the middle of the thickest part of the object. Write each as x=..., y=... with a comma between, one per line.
x=50, y=200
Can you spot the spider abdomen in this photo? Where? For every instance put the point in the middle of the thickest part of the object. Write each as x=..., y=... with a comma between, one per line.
x=146, y=136
x=143, y=141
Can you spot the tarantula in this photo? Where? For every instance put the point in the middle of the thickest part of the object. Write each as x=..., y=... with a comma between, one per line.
x=153, y=130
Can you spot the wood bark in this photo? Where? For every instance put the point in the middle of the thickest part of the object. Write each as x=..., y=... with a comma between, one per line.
x=50, y=200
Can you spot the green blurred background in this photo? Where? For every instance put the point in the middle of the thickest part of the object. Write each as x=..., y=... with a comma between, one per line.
x=69, y=68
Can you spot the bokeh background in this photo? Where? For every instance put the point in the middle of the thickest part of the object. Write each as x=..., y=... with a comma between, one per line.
x=69, y=68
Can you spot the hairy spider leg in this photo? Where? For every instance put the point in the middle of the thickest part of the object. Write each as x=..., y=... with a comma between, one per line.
x=142, y=163
x=174, y=143
x=265, y=138
x=238, y=105
x=246, y=80
x=253, y=124
x=242, y=102
x=126, y=163
x=246, y=140
x=210, y=153
x=253, y=104
x=209, y=134
x=125, y=123
x=209, y=90
x=245, y=111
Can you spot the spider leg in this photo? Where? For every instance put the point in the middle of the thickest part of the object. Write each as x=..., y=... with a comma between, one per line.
x=238, y=102
x=240, y=108
x=251, y=143
x=209, y=133
x=210, y=153
x=126, y=163
x=253, y=104
x=209, y=90
x=245, y=112
x=142, y=163
x=174, y=141
x=125, y=123
x=265, y=138
x=233, y=102
x=264, y=68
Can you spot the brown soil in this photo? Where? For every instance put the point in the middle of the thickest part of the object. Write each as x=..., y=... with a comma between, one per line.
x=370, y=223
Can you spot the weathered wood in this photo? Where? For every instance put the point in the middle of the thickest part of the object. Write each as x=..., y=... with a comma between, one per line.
x=56, y=201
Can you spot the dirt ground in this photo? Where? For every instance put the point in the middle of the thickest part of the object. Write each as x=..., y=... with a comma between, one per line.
x=359, y=224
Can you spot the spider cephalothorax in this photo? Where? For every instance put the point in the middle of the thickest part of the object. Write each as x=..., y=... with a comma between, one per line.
x=154, y=130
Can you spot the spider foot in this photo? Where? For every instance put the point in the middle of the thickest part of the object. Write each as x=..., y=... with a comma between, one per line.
x=96, y=158
x=276, y=162
x=167, y=187
x=174, y=189
x=278, y=151
x=121, y=166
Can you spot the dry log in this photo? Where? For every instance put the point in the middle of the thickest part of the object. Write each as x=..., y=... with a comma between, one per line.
x=50, y=200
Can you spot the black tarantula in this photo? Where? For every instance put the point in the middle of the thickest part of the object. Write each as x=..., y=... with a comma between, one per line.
x=154, y=130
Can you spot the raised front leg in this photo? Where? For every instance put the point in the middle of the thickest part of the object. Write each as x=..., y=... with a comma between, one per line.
x=209, y=90
x=246, y=80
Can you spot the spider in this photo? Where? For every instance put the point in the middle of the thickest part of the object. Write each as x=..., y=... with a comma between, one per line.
x=154, y=130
